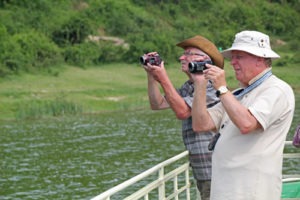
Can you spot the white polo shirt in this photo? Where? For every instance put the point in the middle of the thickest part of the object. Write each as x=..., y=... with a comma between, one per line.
x=249, y=166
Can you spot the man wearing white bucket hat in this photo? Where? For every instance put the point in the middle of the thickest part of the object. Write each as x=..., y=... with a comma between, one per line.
x=252, y=121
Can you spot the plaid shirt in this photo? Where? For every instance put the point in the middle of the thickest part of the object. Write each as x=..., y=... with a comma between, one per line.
x=197, y=144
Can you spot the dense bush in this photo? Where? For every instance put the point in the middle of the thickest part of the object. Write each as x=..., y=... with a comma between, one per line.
x=40, y=34
x=74, y=31
x=81, y=54
x=94, y=53
x=29, y=51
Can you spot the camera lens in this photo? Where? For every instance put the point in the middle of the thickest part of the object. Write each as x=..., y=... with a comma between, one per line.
x=142, y=60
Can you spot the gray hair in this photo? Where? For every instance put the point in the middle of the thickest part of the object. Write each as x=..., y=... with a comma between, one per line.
x=268, y=62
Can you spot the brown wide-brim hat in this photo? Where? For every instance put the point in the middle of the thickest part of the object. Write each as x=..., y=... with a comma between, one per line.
x=206, y=46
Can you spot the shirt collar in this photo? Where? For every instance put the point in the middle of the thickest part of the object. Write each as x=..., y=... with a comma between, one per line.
x=260, y=75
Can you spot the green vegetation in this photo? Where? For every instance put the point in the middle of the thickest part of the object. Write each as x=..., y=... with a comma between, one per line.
x=81, y=56
x=38, y=35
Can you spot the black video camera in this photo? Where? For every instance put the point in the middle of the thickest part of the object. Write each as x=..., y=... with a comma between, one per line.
x=198, y=67
x=153, y=59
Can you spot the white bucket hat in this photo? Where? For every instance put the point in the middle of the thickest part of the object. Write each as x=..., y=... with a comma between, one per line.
x=253, y=42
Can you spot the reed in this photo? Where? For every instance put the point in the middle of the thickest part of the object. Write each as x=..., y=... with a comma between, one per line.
x=40, y=109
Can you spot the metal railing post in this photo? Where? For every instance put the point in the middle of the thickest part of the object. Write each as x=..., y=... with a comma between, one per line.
x=187, y=182
x=161, y=189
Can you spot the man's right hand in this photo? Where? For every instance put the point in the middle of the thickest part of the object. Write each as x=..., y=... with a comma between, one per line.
x=157, y=72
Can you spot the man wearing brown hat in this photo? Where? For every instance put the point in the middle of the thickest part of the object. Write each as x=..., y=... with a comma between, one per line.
x=180, y=101
x=252, y=122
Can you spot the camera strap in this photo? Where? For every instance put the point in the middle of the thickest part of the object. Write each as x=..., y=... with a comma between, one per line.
x=240, y=93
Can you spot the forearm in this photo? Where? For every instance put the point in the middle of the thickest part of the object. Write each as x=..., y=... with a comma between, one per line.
x=175, y=101
x=239, y=114
x=201, y=118
x=156, y=99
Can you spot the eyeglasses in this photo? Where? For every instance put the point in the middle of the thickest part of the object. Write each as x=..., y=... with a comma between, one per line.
x=192, y=54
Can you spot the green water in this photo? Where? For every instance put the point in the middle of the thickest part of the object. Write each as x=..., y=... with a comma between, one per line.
x=80, y=157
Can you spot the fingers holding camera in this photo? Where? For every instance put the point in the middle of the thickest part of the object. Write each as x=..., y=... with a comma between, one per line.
x=154, y=66
x=152, y=58
x=198, y=78
x=150, y=68
x=151, y=54
x=216, y=75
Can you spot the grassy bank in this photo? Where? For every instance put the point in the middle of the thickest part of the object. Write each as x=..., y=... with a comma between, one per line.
x=113, y=87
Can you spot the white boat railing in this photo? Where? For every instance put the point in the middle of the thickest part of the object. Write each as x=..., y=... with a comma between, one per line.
x=161, y=182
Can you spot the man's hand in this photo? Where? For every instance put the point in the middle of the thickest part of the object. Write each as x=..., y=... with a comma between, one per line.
x=216, y=75
x=157, y=72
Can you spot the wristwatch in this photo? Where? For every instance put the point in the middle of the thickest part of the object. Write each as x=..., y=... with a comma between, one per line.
x=221, y=90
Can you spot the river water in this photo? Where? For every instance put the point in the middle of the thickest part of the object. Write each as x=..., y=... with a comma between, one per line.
x=81, y=156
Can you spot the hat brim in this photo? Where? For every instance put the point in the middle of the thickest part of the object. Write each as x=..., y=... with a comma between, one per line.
x=260, y=52
x=206, y=46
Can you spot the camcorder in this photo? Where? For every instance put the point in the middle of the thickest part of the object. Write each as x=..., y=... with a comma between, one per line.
x=198, y=67
x=151, y=59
